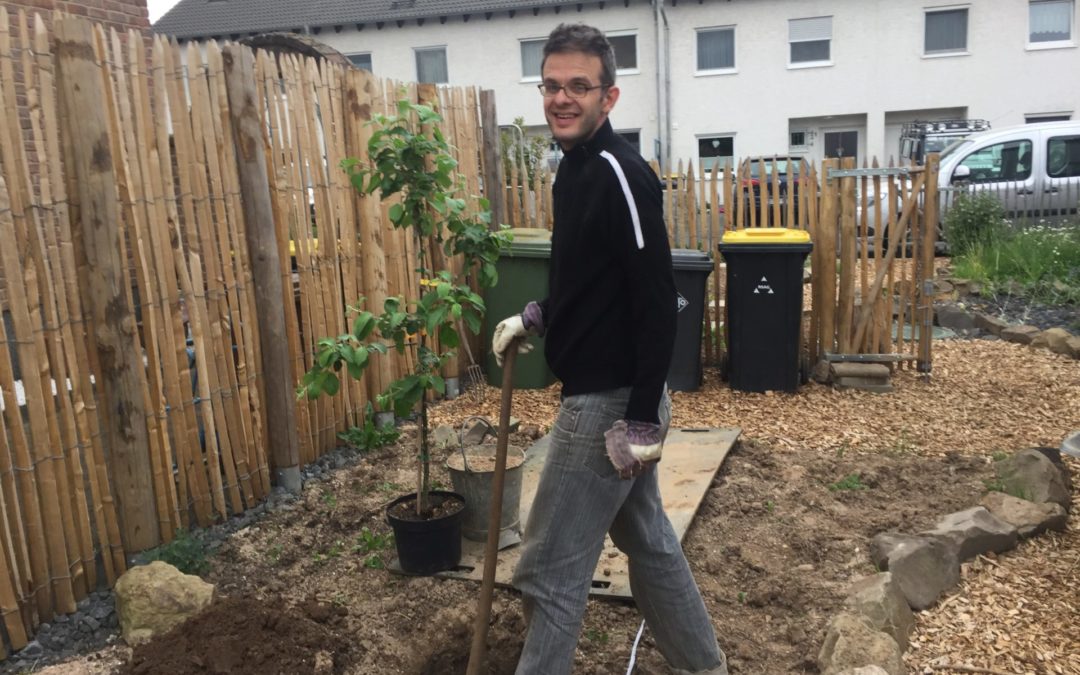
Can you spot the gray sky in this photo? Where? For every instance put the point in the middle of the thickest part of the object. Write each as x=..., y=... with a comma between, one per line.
x=158, y=7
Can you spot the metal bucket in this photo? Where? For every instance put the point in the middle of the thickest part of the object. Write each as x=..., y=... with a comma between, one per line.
x=472, y=471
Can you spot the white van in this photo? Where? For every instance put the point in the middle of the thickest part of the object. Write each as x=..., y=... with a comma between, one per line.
x=1034, y=169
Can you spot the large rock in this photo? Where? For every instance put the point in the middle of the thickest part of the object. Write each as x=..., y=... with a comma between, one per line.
x=975, y=531
x=151, y=599
x=954, y=316
x=1028, y=518
x=923, y=567
x=851, y=643
x=878, y=599
x=1054, y=339
x=1020, y=334
x=1073, y=345
x=990, y=324
x=1031, y=475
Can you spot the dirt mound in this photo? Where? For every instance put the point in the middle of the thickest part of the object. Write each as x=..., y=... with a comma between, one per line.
x=244, y=636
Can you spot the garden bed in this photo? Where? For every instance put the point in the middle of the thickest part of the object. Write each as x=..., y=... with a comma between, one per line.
x=780, y=536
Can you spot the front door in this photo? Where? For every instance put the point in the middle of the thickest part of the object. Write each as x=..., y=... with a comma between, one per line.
x=842, y=144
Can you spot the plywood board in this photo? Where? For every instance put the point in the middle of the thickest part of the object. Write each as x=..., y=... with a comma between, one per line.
x=691, y=459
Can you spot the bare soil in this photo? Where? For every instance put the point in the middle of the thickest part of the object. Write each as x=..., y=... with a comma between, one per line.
x=778, y=538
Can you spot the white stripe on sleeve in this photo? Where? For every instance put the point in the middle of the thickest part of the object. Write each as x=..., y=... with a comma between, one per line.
x=629, y=196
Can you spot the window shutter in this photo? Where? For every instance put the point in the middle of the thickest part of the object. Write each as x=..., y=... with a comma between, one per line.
x=806, y=30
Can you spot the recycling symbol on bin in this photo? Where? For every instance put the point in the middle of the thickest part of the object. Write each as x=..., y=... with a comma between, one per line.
x=764, y=287
x=681, y=302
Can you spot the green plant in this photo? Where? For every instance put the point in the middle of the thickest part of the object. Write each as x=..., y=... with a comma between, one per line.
x=329, y=499
x=186, y=552
x=742, y=597
x=409, y=158
x=1000, y=484
x=1034, y=263
x=370, y=437
x=368, y=542
x=273, y=554
x=998, y=455
x=975, y=218
x=374, y=562
x=770, y=505
x=598, y=636
x=335, y=551
x=848, y=482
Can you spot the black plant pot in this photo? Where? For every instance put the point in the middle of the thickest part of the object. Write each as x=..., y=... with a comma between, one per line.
x=433, y=545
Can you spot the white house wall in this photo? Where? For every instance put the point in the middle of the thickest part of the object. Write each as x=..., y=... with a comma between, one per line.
x=879, y=75
x=486, y=53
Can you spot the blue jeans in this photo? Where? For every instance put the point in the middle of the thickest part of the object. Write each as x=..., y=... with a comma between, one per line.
x=580, y=498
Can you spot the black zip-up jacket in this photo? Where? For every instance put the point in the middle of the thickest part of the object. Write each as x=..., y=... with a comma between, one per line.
x=609, y=317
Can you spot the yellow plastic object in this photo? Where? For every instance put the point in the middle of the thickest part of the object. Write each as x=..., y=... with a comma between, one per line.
x=292, y=246
x=766, y=235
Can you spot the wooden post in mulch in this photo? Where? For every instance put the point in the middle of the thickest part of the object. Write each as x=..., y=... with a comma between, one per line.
x=79, y=79
x=825, y=277
x=926, y=292
x=246, y=116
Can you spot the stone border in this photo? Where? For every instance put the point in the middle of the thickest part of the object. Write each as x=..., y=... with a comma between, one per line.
x=870, y=635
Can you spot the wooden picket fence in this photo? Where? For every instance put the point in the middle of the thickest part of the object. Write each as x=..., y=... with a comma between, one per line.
x=867, y=301
x=133, y=394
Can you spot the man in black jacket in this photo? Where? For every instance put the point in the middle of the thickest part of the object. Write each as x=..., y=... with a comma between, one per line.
x=609, y=330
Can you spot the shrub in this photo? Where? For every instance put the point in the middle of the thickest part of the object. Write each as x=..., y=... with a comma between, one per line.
x=976, y=218
x=187, y=553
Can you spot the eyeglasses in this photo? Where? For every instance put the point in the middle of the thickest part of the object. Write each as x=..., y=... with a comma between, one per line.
x=573, y=90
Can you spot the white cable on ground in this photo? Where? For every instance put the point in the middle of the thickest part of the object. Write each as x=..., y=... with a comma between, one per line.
x=633, y=650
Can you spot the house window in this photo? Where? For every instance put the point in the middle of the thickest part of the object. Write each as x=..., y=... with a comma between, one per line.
x=361, y=61
x=1063, y=157
x=1050, y=21
x=1035, y=118
x=431, y=65
x=810, y=40
x=715, y=152
x=715, y=49
x=946, y=31
x=632, y=137
x=798, y=139
x=625, y=47
x=532, y=55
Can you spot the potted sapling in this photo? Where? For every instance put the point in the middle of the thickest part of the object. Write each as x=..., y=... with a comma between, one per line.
x=409, y=158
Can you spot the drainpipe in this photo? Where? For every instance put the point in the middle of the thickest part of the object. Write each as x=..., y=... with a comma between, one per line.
x=659, y=84
x=663, y=82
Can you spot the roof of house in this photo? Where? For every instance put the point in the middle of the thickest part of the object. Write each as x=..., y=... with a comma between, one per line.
x=204, y=18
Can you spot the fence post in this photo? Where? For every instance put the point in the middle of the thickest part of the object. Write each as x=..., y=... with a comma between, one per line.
x=830, y=189
x=930, y=229
x=493, y=176
x=79, y=80
x=246, y=115
x=848, y=260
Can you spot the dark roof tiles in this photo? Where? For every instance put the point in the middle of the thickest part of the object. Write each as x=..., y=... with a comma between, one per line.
x=207, y=18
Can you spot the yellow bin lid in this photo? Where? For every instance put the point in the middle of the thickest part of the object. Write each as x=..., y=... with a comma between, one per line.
x=766, y=235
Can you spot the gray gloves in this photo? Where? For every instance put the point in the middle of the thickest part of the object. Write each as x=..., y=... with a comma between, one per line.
x=633, y=447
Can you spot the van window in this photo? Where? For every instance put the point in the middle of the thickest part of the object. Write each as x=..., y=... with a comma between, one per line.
x=1006, y=161
x=1063, y=156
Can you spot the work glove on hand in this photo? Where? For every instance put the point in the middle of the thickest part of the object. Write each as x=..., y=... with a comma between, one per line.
x=633, y=447
x=508, y=330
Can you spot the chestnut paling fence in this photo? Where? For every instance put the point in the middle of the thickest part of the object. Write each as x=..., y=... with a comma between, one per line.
x=866, y=299
x=133, y=391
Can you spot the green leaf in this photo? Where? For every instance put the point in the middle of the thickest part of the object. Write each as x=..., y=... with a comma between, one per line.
x=331, y=384
x=363, y=325
x=326, y=356
x=438, y=384
x=396, y=212
x=448, y=336
x=473, y=322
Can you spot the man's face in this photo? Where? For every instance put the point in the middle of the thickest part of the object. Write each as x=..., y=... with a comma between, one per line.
x=575, y=120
